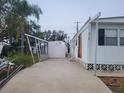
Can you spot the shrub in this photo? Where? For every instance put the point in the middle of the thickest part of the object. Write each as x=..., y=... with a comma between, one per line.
x=22, y=59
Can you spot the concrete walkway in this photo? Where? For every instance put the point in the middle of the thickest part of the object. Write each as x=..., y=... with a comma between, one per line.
x=55, y=76
x=111, y=74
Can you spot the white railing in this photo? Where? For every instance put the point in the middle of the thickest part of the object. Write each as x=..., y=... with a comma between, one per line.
x=40, y=47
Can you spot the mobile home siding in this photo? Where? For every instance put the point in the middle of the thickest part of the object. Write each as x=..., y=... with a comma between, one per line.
x=106, y=54
x=85, y=45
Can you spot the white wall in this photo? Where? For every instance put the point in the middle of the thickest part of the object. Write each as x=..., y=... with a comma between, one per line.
x=74, y=48
x=110, y=55
x=106, y=54
x=71, y=49
x=56, y=49
x=85, y=45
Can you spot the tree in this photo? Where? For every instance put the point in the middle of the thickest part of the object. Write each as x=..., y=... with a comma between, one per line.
x=23, y=10
x=52, y=35
x=61, y=35
x=34, y=27
x=17, y=20
x=40, y=35
x=3, y=12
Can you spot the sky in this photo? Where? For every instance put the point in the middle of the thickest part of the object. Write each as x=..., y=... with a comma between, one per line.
x=62, y=14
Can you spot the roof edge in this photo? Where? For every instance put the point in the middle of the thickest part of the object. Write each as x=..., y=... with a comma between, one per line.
x=111, y=17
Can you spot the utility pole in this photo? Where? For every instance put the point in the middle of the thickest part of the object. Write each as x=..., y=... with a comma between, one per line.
x=77, y=27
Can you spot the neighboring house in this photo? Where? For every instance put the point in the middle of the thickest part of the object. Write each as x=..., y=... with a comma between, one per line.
x=100, y=43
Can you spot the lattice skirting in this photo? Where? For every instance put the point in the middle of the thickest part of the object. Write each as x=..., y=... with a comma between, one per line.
x=106, y=67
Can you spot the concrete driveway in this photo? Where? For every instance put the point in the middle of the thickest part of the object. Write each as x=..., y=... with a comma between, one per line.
x=55, y=76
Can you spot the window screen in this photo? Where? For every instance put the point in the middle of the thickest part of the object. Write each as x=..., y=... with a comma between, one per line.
x=107, y=37
x=110, y=37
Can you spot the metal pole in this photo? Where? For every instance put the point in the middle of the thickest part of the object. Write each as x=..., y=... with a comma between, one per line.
x=47, y=48
x=77, y=27
x=30, y=49
x=95, y=63
x=36, y=37
x=40, y=47
x=8, y=70
x=44, y=49
x=37, y=49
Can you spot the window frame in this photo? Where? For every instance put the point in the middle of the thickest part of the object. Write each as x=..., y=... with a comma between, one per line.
x=120, y=37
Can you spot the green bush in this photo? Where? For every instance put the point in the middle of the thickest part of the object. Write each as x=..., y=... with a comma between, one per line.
x=22, y=59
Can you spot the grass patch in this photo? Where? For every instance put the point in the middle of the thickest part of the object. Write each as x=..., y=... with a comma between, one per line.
x=22, y=59
x=117, y=89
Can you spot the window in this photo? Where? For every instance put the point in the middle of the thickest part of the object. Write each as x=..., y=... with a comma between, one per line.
x=101, y=35
x=121, y=34
x=110, y=37
x=107, y=37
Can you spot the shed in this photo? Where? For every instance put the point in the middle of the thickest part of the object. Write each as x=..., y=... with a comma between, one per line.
x=57, y=49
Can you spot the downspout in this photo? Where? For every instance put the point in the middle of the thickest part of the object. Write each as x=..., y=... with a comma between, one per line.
x=97, y=23
x=89, y=42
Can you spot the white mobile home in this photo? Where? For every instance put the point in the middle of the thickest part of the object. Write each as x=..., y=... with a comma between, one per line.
x=100, y=44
